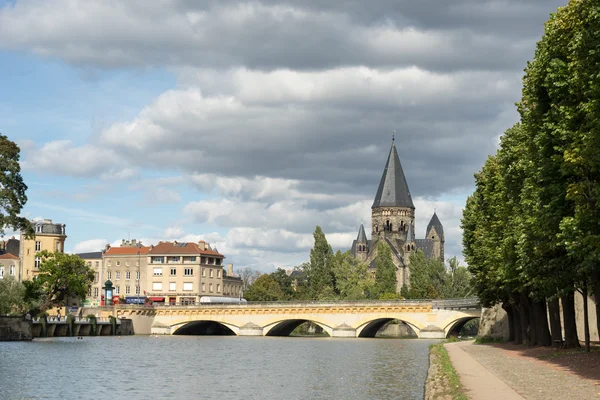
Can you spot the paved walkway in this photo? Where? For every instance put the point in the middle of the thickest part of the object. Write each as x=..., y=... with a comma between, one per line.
x=488, y=372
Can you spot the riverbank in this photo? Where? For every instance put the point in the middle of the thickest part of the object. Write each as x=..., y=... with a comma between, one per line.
x=491, y=371
x=442, y=380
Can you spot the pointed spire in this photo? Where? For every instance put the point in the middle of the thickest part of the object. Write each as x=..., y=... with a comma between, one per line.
x=435, y=223
x=362, y=237
x=410, y=235
x=393, y=189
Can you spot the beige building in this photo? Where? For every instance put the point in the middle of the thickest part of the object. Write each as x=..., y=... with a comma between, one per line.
x=94, y=261
x=48, y=236
x=126, y=267
x=181, y=273
x=9, y=266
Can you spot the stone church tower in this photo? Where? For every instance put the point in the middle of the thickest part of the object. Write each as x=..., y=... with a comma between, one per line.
x=393, y=222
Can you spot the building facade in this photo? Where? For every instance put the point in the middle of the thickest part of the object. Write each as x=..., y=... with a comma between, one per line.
x=94, y=261
x=126, y=267
x=393, y=222
x=181, y=273
x=9, y=266
x=48, y=236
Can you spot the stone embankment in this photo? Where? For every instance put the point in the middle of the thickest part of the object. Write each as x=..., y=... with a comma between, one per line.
x=13, y=328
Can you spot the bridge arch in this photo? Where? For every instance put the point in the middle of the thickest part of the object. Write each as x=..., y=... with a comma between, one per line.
x=456, y=325
x=369, y=327
x=285, y=327
x=204, y=327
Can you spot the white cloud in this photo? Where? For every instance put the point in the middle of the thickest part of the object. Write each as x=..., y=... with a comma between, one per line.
x=173, y=232
x=88, y=246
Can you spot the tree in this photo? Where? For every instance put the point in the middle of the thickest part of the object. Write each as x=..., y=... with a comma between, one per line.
x=265, y=288
x=351, y=276
x=385, y=271
x=62, y=277
x=248, y=276
x=428, y=279
x=459, y=280
x=320, y=274
x=284, y=281
x=12, y=294
x=12, y=189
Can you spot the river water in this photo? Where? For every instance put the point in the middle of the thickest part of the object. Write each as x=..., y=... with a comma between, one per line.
x=216, y=367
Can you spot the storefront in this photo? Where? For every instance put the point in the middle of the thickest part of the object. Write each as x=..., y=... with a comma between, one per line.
x=157, y=299
x=187, y=301
x=135, y=300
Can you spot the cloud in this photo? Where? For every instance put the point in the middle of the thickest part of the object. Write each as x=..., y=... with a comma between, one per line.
x=88, y=246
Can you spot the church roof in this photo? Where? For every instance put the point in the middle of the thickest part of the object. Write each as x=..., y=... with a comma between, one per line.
x=362, y=237
x=435, y=223
x=426, y=246
x=410, y=235
x=393, y=189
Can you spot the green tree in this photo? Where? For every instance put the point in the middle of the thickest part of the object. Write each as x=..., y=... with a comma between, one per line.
x=385, y=271
x=428, y=279
x=265, y=288
x=12, y=294
x=285, y=282
x=320, y=273
x=351, y=276
x=62, y=277
x=459, y=280
x=12, y=189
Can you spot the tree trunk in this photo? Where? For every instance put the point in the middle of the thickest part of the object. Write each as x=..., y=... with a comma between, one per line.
x=518, y=327
x=511, y=320
x=596, y=286
x=568, y=305
x=533, y=324
x=541, y=319
x=524, y=317
x=586, y=322
x=555, y=326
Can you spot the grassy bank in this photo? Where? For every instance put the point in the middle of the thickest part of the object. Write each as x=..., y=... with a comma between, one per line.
x=443, y=381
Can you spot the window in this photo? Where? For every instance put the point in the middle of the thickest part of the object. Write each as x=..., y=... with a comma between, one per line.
x=158, y=260
x=118, y=263
x=97, y=264
x=96, y=277
x=218, y=273
x=193, y=259
x=188, y=272
x=108, y=275
x=218, y=261
x=109, y=263
x=157, y=271
x=218, y=288
x=203, y=272
x=12, y=270
x=57, y=246
x=210, y=273
x=127, y=263
x=137, y=290
x=38, y=246
x=38, y=229
x=204, y=287
x=210, y=287
x=89, y=263
x=187, y=286
x=95, y=292
x=89, y=291
x=37, y=262
x=156, y=285
x=127, y=275
x=118, y=275
x=137, y=275
x=127, y=289
x=203, y=260
x=117, y=289
x=173, y=271
x=173, y=259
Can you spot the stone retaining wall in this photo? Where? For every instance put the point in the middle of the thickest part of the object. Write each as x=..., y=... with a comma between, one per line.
x=15, y=328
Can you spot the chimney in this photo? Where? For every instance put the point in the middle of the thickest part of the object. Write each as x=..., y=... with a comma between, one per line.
x=106, y=247
x=202, y=245
x=229, y=269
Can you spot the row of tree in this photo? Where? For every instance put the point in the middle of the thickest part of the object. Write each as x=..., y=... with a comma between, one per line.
x=339, y=276
x=532, y=226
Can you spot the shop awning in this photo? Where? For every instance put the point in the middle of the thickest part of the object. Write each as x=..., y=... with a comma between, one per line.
x=157, y=298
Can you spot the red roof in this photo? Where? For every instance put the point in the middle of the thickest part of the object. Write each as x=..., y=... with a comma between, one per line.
x=8, y=256
x=181, y=248
x=126, y=251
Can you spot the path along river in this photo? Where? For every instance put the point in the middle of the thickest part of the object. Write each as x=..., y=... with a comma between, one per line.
x=215, y=367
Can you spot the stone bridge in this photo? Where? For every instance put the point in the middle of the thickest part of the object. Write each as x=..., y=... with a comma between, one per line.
x=427, y=318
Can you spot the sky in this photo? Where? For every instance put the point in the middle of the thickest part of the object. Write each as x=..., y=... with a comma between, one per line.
x=247, y=124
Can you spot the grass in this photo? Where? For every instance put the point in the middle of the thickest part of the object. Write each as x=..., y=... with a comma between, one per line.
x=447, y=371
x=488, y=339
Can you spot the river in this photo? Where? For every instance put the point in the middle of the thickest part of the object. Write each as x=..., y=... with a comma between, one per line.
x=213, y=367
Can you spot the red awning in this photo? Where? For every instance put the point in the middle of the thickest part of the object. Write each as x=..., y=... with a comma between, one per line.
x=157, y=298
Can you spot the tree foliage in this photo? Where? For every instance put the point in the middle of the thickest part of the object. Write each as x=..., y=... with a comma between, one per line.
x=62, y=277
x=265, y=288
x=12, y=293
x=321, y=279
x=385, y=271
x=12, y=189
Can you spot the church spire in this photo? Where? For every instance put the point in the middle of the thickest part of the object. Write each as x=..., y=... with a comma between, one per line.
x=436, y=224
x=362, y=237
x=393, y=189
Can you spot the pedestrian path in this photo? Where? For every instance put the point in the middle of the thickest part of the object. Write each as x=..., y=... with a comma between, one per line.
x=489, y=372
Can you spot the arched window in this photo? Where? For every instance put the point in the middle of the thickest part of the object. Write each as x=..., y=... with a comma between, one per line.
x=413, y=246
x=408, y=247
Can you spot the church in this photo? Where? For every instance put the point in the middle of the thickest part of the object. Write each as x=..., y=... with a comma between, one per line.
x=393, y=221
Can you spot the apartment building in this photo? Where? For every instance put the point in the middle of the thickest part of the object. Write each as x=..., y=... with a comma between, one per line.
x=180, y=273
x=9, y=266
x=126, y=267
x=94, y=261
x=48, y=236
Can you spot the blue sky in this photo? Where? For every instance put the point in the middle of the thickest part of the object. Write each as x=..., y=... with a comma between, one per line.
x=248, y=123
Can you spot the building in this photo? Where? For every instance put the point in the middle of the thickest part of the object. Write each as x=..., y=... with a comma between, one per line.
x=48, y=236
x=393, y=222
x=94, y=261
x=10, y=246
x=126, y=267
x=9, y=266
x=180, y=273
